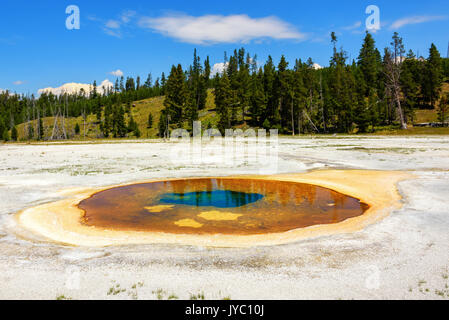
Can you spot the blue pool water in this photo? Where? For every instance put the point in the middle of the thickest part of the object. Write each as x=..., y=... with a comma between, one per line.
x=215, y=198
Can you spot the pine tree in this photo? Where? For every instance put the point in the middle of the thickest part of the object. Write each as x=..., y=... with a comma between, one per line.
x=270, y=92
x=137, y=132
x=14, y=134
x=98, y=111
x=409, y=87
x=445, y=64
x=163, y=82
x=361, y=114
x=5, y=135
x=107, y=125
x=340, y=87
x=190, y=113
x=433, y=76
x=116, y=86
x=348, y=97
x=163, y=125
x=299, y=95
x=241, y=87
x=373, y=110
x=284, y=93
x=132, y=125
x=2, y=126
x=30, y=132
x=196, y=91
x=150, y=121
x=443, y=109
x=234, y=105
x=369, y=63
x=207, y=72
x=176, y=95
x=40, y=129
x=149, y=82
x=257, y=99
x=77, y=129
x=94, y=92
x=119, y=126
x=223, y=98
x=122, y=87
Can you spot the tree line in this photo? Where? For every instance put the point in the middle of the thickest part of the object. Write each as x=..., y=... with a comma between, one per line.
x=109, y=105
x=375, y=90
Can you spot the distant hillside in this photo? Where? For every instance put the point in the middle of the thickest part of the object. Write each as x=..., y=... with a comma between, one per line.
x=143, y=108
x=140, y=112
x=425, y=116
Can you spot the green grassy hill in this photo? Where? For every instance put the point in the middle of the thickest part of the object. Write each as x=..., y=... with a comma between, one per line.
x=140, y=112
x=430, y=115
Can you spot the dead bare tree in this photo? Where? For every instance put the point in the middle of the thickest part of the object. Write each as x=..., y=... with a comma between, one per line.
x=310, y=121
x=59, y=131
x=392, y=70
x=322, y=103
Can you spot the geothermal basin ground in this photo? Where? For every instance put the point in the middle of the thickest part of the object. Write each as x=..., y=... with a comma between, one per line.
x=404, y=255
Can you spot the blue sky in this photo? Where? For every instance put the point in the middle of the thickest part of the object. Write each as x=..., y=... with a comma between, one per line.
x=137, y=37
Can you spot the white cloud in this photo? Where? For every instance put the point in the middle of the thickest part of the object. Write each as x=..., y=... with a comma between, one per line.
x=218, y=68
x=113, y=32
x=18, y=82
x=113, y=27
x=209, y=29
x=93, y=18
x=117, y=73
x=112, y=24
x=76, y=87
x=127, y=15
x=415, y=20
x=354, y=28
x=356, y=25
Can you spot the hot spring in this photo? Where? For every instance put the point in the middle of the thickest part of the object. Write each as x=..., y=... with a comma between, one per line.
x=218, y=206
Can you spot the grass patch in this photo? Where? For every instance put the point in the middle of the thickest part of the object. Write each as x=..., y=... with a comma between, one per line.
x=198, y=296
x=160, y=293
x=414, y=131
x=115, y=290
x=380, y=150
